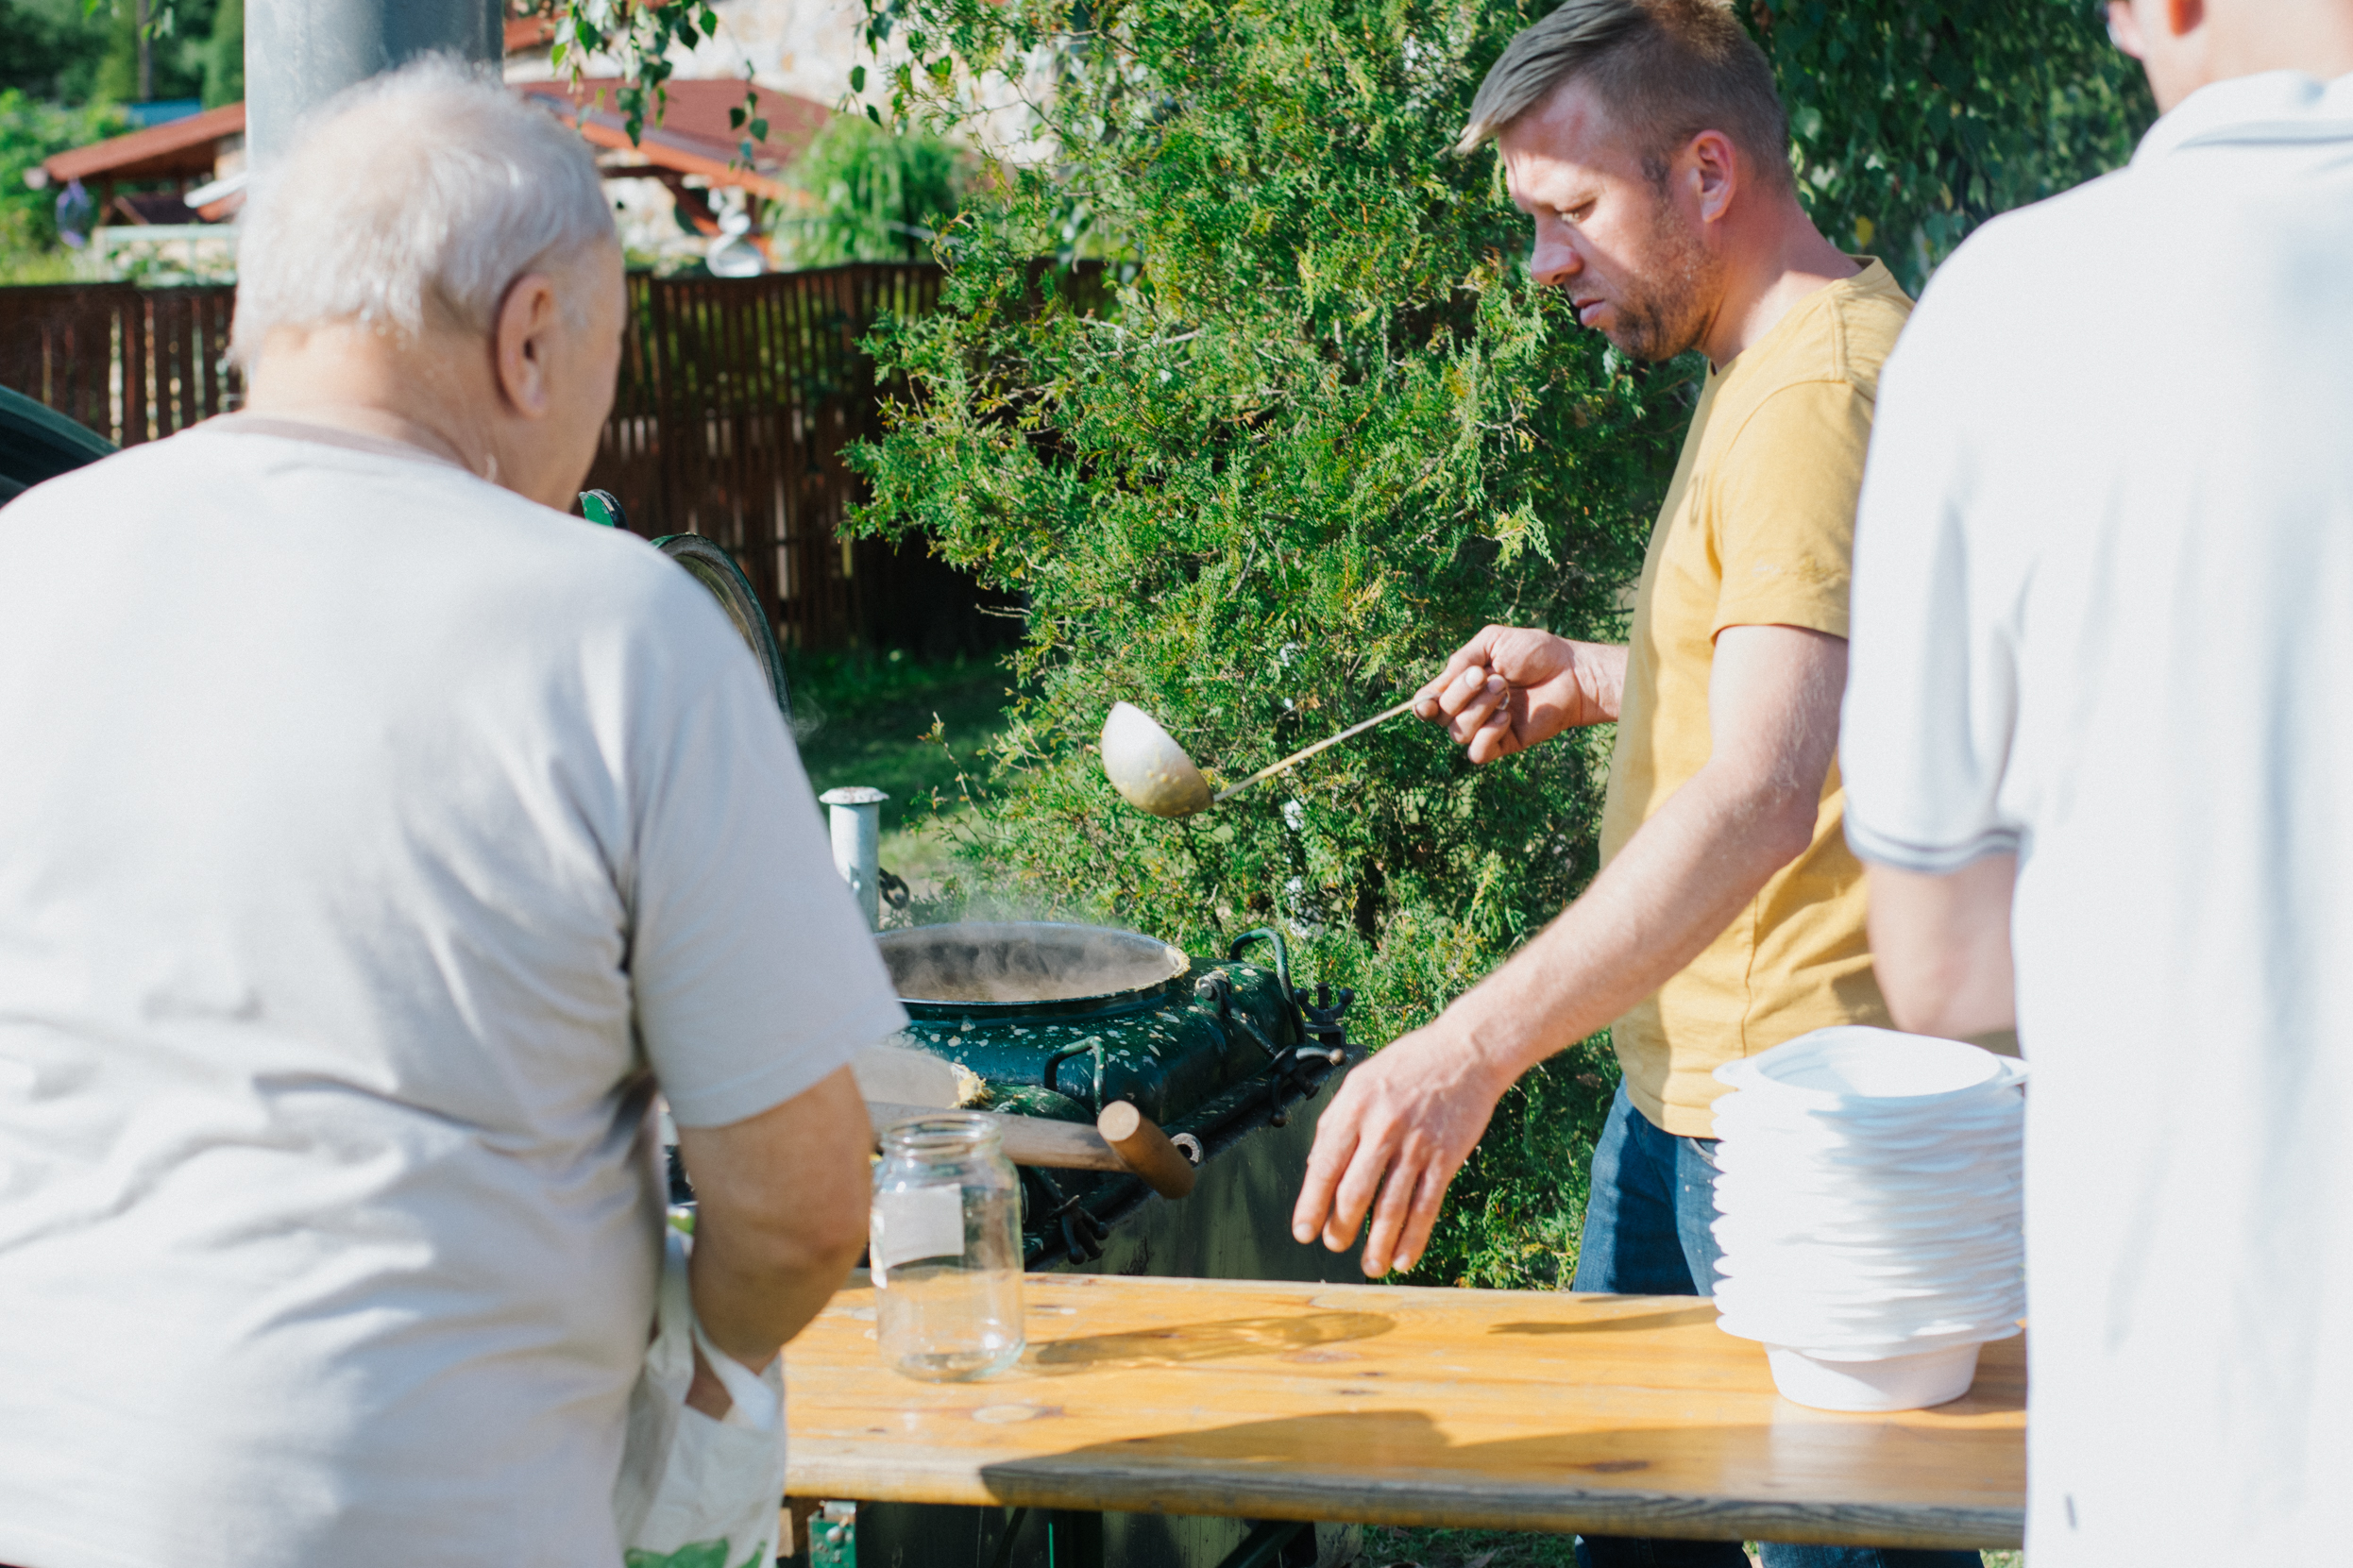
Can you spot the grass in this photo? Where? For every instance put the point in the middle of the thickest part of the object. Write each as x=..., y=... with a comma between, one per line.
x=869, y=718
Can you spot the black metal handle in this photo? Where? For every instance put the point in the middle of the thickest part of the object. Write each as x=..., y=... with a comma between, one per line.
x=1045, y=1074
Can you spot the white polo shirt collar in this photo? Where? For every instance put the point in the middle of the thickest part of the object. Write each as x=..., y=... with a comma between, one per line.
x=2271, y=106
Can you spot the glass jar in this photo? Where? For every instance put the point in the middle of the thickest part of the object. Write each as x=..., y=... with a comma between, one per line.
x=944, y=1244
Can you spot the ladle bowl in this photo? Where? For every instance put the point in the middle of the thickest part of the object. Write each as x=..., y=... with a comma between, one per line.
x=1153, y=773
x=1147, y=767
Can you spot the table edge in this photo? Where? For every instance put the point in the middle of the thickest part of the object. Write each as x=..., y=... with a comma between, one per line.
x=1041, y=1483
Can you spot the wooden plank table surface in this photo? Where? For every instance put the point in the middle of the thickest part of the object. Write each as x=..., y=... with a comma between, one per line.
x=1503, y=1409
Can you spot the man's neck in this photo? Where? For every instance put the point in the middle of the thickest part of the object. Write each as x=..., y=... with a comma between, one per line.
x=1771, y=269
x=349, y=379
x=360, y=419
x=2240, y=39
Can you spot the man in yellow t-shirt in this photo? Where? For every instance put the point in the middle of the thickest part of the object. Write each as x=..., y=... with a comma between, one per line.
x=1646, y=140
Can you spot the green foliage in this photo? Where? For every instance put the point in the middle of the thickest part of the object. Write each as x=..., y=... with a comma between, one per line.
x=1915, y=122
x=1305, y=423
x=1319, y=430
x=80, y=51
x=866, y=719
x=642, y=35
x=224, y=55
x=868, y=195
x=53, y=48
x=180, y=45
x=29, y=131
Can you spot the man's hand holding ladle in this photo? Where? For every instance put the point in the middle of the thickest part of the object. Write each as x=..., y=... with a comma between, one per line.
x=1511, y=687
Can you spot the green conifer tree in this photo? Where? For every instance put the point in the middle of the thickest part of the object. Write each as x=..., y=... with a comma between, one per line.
x=1241, y=380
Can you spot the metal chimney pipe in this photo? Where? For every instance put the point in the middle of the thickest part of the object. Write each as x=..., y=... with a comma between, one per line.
x=299, y=52
x=856, y=814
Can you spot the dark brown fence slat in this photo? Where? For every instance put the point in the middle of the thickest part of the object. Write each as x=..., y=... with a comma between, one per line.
x=735, y=401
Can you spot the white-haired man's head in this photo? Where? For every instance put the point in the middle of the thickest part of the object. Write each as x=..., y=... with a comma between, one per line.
x=415, y=199
x=435, y=261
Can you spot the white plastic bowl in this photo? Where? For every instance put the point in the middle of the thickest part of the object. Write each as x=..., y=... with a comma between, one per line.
x=1911, y=1382
x=1853, y=1062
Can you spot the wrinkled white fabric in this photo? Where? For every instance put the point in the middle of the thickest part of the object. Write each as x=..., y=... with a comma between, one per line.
x=2104, y=617
x=372, y=841
x=687, y=1481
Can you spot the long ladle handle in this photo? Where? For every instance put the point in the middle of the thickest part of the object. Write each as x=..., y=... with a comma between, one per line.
x=1272, y=768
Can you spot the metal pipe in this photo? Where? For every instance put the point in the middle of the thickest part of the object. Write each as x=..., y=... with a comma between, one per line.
x=856, y=814
x=299, y=53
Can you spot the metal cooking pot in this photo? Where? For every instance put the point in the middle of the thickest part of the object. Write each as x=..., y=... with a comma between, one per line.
x=998, y=972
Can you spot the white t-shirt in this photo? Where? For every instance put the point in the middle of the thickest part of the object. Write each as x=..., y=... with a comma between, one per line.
x=372, y=842
x=2104, y=617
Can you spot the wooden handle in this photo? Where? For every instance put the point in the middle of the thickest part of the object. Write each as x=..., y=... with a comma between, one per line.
x=1137, y=1139
x=1272, y=768
x=1027, y=1140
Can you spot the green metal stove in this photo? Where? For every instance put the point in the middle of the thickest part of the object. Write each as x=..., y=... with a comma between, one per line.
x=1060, y=1020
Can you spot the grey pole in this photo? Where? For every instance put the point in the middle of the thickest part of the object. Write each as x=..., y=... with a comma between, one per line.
x=856, y=814
x=300, y=52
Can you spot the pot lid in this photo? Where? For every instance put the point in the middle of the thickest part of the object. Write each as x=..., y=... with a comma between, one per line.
x=1026, y=969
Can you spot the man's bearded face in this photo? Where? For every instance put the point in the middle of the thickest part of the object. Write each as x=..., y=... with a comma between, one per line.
x=1610, y=232
x=1664, y=302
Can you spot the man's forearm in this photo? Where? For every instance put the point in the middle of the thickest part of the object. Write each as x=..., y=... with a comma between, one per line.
x=753, y=1300
x=1942, y=946
x=780, y=1215
x=1674, y=889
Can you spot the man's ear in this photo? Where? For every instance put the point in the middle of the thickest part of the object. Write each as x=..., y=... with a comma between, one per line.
x=2124, y=29
x=521, y=341
x=1714, y=170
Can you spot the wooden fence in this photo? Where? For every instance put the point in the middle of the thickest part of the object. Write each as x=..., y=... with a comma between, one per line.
x=736, y=400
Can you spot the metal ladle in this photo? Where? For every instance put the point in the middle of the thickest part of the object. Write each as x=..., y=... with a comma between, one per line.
x=1152, y=772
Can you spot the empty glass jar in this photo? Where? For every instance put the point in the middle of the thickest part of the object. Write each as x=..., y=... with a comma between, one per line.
x=944, y=1245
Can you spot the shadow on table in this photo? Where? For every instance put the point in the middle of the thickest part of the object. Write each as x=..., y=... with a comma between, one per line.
x=1216, y=1340
x=1704, y=1312
x=1809, y=1477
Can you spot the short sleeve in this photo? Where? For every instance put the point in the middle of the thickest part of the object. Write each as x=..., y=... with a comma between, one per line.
x=1783, y=509
x=753, y=974
x=1931, y=698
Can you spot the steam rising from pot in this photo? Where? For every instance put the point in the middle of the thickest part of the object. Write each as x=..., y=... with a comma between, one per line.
x=1023, y=961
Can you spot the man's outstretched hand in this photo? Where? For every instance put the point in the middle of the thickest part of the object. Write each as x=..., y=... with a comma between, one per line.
x=1511, y=687
x=1412, y=1114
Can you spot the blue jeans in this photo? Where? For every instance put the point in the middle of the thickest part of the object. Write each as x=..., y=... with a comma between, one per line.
x=1647, y=1234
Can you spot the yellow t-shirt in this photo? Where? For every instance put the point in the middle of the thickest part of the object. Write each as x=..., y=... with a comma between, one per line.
x=1758, y=529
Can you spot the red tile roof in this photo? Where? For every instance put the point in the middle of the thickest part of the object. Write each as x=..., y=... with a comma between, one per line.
x=692, y=137
x=177, y=149
x=529, y=32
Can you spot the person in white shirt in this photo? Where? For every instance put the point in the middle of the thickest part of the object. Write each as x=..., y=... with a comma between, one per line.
x=2098, y=746
x=378, y=841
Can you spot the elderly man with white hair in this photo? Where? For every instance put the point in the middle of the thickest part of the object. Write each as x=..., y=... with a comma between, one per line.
x=380, y=840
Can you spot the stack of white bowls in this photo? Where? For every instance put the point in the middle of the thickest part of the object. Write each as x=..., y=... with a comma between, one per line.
x=1869, y=1208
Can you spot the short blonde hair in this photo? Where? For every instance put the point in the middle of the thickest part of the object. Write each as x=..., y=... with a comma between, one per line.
x=415, y=198
x=1665, y=70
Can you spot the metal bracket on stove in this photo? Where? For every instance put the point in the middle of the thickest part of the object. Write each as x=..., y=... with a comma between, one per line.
x=1320, y=1019
x=1083, y=1235
x=1300, y=1074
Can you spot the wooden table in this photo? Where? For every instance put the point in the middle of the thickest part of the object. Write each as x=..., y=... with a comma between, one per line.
x=1505, y=1410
